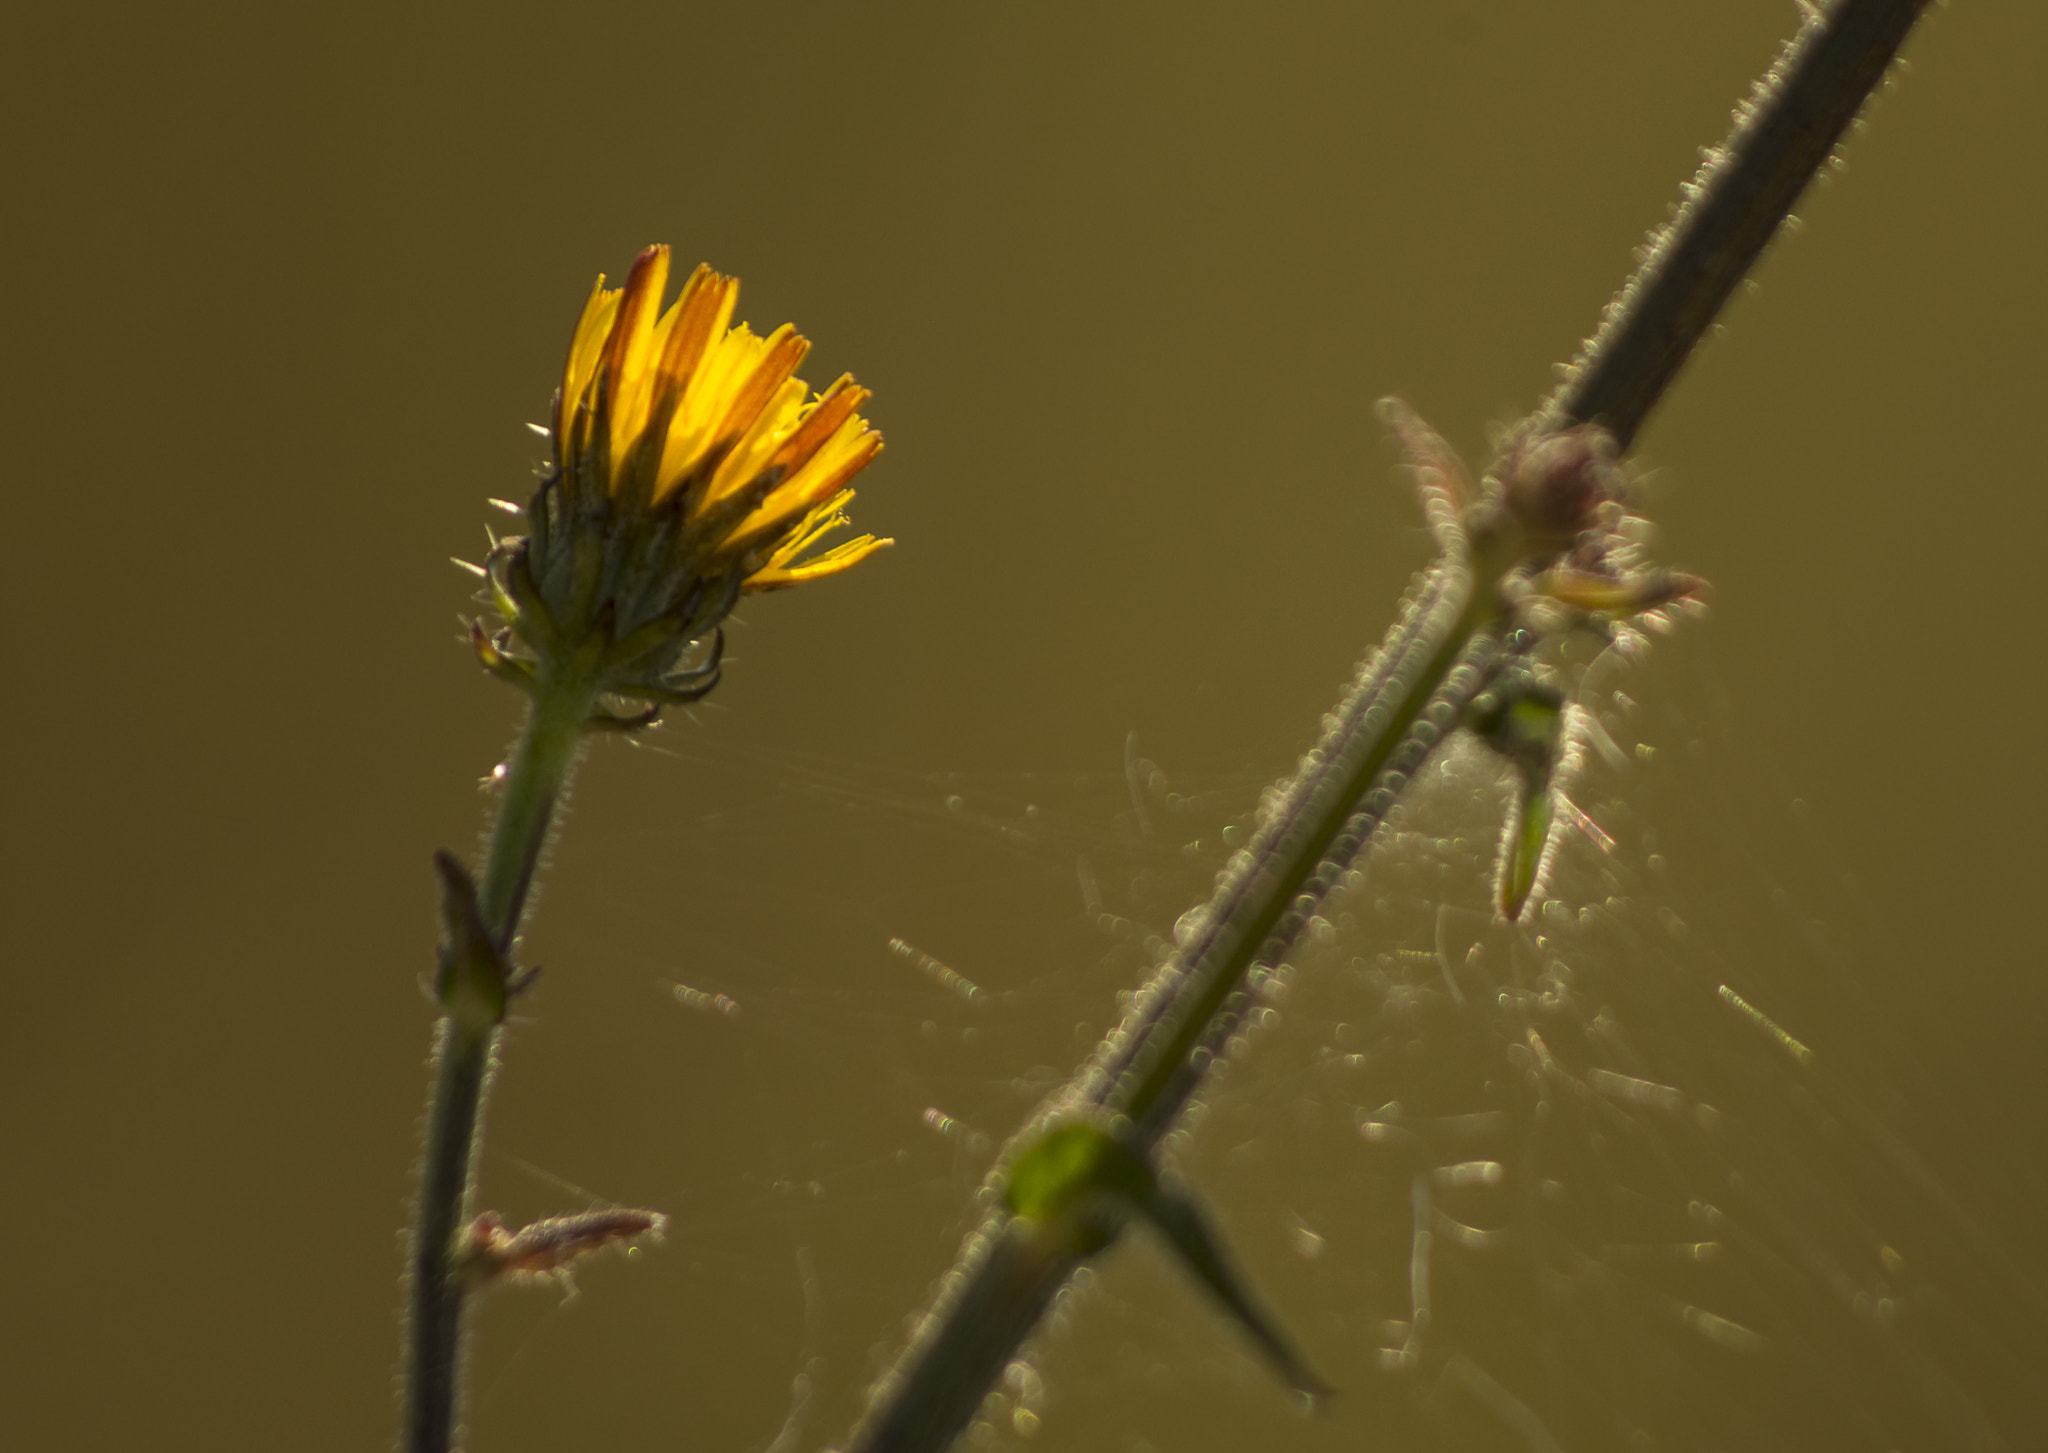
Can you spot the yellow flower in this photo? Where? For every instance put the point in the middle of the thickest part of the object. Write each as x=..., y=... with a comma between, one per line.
x=687, y=410
x=691, y=465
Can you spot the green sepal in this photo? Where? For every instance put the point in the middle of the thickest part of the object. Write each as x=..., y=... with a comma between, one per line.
x=497, y=662
x=678, y=688
x=650, y=650
x=520, y=601
x=501, y=598
x=585, y=579
x=660, y=635
x=663, y=695
x=601, y=720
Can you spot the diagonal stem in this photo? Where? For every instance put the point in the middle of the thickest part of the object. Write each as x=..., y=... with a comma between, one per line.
x=1410, y=694
x=1448, y=643
x=1745, y=188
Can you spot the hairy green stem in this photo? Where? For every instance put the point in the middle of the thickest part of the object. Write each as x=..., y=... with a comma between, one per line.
x=1439, y=656
x=541, y=766
x=462, y=1059
x=465, y=1045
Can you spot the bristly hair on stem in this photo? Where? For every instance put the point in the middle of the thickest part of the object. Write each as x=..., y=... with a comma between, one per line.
x=1784, y=132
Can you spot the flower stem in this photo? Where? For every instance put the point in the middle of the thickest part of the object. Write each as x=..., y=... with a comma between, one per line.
x=465, y=1042
x=462, y=1056
x=542, y=764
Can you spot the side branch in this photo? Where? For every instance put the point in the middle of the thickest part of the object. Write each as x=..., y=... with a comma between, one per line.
x=1733, y=206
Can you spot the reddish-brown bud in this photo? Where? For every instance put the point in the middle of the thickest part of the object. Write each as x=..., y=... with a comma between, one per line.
x=1554, y=484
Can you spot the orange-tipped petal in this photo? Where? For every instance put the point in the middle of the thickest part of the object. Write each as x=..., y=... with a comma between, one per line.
x=702, y=311
x=752, y=454
x=705, y=311
x=728, y=363
x=784, y=351
x=823, y=420
x=852, y=447
x=685, y=334
x=627, y=375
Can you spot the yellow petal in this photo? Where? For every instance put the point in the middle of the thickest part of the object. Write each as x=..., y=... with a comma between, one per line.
x=585, y=347
x=756, y=450
x=821, y=521
x=694, y=435
x=842, y=557
x=781, y=352
x=730, y=358
x=706, y=309
x=845, y=454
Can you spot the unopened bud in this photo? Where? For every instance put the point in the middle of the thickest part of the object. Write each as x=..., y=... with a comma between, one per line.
x=1556, y=485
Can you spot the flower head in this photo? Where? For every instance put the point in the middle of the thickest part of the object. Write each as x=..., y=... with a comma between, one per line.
x=691, y=465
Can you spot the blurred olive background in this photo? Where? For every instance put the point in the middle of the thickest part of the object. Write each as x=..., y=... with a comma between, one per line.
x=283, y=288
